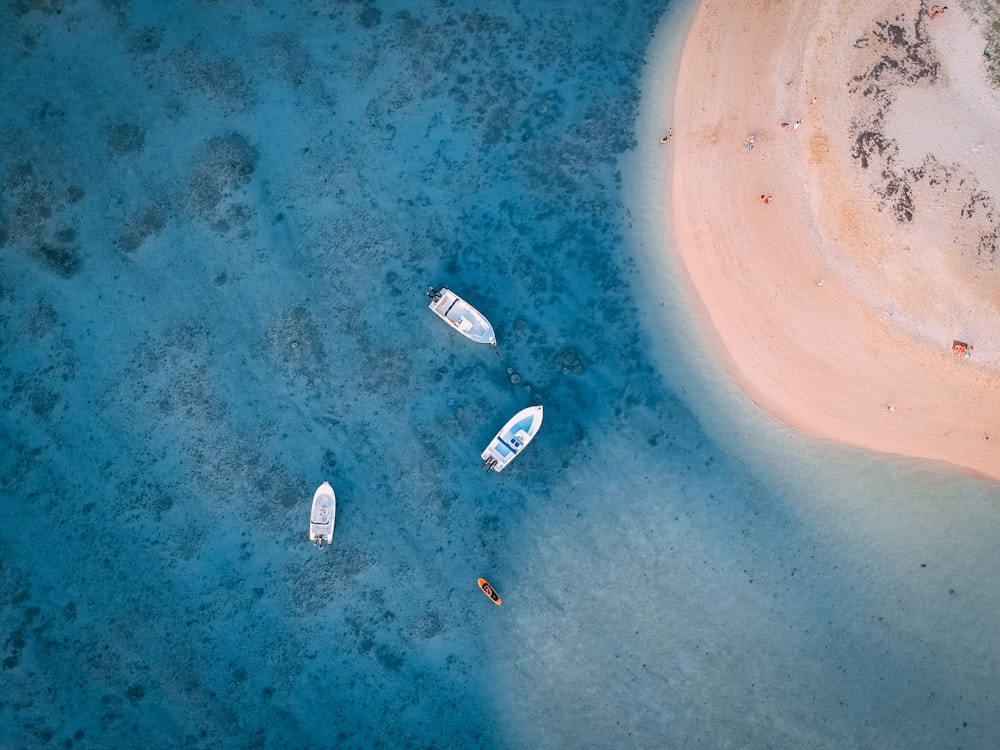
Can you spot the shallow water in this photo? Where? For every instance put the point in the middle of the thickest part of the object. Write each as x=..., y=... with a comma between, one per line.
x=217, y=223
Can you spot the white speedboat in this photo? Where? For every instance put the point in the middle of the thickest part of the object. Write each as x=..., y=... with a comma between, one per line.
x=461, y=316
x=323, y=516
x=512, y=438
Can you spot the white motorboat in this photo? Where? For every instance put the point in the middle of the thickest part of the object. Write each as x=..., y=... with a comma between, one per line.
x=461, y=316
x=323, y=516
x=512, y=438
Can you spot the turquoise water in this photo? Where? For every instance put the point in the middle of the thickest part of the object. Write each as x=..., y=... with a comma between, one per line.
x=217, y=222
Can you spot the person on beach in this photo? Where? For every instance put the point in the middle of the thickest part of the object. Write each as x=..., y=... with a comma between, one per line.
x=669, y=136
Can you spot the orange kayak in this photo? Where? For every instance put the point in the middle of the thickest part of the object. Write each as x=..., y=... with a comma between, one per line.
x=489, y=591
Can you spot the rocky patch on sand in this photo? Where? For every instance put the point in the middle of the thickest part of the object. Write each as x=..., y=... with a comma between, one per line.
x=896, y=54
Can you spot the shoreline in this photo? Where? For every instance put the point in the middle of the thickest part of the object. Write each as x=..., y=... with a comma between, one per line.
x=835, y=300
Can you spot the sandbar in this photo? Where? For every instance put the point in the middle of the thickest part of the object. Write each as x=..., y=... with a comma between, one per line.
x=839, y=259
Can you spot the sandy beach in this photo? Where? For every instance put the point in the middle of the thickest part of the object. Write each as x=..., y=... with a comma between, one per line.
x=839, y=259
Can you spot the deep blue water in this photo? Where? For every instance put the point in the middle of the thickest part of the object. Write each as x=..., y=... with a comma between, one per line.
x=217, y=222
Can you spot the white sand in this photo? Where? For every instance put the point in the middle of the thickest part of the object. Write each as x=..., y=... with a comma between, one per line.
x=836, y=310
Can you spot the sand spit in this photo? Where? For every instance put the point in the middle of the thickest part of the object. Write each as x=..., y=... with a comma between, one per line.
x=836, y=201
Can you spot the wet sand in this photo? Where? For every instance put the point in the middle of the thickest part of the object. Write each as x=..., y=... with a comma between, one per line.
x=839, y=259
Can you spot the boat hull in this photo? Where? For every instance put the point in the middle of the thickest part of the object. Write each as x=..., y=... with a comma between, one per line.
x=512, y=439
x=487, y=589
x=323, y=515
x=462, y=316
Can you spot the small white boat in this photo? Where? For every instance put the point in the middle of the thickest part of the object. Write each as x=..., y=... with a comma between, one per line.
x=512, y=438
x=323, y=516
x=461, y=316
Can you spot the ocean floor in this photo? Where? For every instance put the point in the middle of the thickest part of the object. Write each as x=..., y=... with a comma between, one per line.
x=217, y=224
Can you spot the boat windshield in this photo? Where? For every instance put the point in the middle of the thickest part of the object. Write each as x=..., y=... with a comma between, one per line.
x=502, y=448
